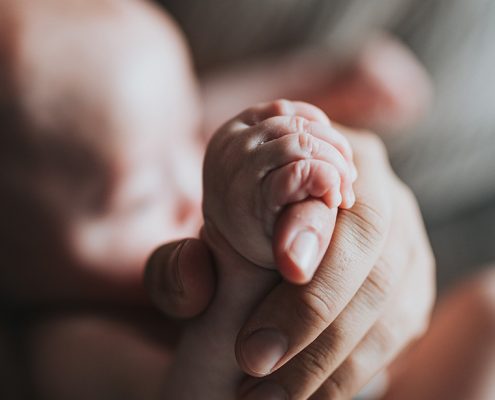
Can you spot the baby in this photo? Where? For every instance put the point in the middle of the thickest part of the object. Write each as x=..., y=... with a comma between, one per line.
x=101, y=163
x=101, y=149
x=267, y=158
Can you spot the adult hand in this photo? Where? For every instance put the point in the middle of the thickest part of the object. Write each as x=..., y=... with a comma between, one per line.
x=371, y=296
x=179, y=278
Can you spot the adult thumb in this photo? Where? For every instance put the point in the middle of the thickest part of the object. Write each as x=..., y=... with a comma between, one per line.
x=179, y=278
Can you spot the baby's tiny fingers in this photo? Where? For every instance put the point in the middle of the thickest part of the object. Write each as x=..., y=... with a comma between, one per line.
x=304, y=146
x=277, y=127
x=311, y=112
x=281, y=140
x=298, y=181
x=299, y=146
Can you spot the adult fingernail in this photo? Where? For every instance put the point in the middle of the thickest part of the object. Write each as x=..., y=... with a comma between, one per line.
x=173, y=280
x=263, y=350
x=266, y=391
x=303, y=252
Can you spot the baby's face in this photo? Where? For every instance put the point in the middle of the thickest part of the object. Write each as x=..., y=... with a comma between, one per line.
x=155, y=187
x=104, y=159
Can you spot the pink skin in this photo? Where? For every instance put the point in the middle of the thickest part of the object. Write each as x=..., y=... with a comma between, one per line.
x=146, y=160
x=252, y=171
x=277, y=154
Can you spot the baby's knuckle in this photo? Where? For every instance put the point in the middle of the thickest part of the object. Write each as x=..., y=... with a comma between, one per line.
x=307, y=144
x=282, y=107
x=301, y=171
x=298, y=124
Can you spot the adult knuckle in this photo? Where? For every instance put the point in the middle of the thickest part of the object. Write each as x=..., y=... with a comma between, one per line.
x=381, y=281
x=429, y=297
x=314, y=309
x=373, y=144
x=407, y=200
x=315, y=363
x=337, y=385
x=421, y=327
x=387, y=336
x=370, y=219
x=368, y=225
x=480, y=298
x=406, y=193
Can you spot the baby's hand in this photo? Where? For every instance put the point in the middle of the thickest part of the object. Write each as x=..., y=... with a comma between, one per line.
x=270, y=156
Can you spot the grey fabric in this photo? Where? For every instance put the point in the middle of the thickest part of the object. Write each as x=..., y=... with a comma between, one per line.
x=449, y=160
x=464, y=243
x=225, y=31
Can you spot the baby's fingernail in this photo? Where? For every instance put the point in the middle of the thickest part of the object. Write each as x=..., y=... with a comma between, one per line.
x=348, y=197
x=336, y=199
x=304, y=251
x=263, y=350
x=352, y=198
x=266, y=391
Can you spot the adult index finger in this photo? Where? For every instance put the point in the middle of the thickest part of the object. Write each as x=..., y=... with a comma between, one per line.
x=291, y=317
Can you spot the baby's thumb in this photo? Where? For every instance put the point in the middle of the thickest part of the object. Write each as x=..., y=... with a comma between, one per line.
x=301, y=238
x=179, y=278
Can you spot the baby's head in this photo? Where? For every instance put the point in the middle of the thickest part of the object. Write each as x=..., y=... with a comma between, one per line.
x=100, y=153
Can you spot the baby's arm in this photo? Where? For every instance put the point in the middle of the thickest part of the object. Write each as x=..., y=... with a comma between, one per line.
x=270, y=156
